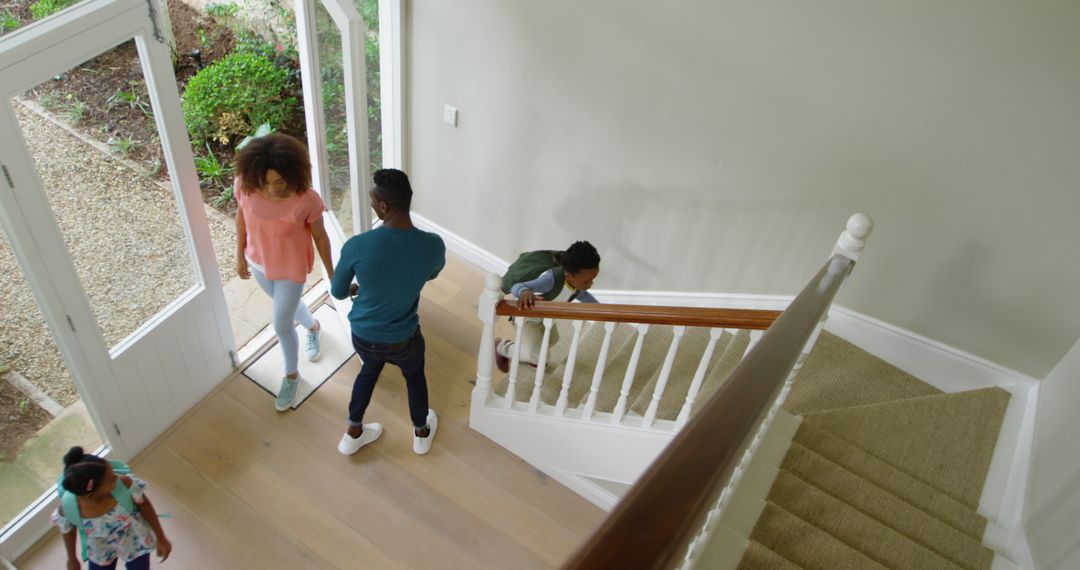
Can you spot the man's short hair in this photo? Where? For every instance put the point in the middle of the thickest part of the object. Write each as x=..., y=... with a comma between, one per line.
x=392, y=186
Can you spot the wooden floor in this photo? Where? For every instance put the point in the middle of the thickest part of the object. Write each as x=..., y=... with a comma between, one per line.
x=249, y=487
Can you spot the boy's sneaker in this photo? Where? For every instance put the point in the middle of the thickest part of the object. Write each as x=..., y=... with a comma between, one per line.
x=287, y=393
x=350, y=445
x=422, y=445
x=501, y=362
x=312, y=348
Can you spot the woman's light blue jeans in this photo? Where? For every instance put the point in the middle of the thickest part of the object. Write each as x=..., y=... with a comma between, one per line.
x=288, y=310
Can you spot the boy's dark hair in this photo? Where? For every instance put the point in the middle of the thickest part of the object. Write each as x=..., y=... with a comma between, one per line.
x=392, y=186
x=278, y=152
x=80, y=469
x=580, y=255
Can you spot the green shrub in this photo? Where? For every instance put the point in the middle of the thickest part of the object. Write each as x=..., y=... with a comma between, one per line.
x=43, y=8
x=8, y=22
x=242, y=90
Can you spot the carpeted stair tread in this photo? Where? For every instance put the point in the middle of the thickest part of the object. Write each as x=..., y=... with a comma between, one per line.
x=839, y=374
x=804, y=544
x=870, y=537
x=900, y=484
x=945, y=441
x=760, y=557
x=879, y=504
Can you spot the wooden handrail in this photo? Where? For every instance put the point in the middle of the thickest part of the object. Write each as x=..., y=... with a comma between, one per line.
x=752, y=319
x=652, y=525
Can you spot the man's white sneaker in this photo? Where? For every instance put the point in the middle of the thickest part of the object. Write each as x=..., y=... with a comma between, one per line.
x=350, y=445
x=422, y=445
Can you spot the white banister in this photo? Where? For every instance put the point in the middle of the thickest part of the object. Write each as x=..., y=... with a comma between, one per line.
x=699, y=376
x=598, y=373
x=568, y=374
x=541, y=366
x=628, y=379
x=519, y=324
x=485, y=364
x=665, y=372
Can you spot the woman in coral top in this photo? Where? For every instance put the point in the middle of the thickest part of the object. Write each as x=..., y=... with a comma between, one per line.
x=278, y=218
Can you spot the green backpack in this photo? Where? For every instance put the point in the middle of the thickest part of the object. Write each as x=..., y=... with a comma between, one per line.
x=70, y=503
x=531, y=265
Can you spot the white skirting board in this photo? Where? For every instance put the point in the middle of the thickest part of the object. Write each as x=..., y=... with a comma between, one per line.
x=268, y=370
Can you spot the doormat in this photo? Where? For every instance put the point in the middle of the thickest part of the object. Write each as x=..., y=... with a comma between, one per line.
x=268, y=370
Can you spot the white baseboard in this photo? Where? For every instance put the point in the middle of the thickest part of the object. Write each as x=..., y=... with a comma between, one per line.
x=463, y=247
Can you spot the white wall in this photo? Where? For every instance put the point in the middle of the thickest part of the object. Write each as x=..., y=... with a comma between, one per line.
x=1052, y=514
x=719, y=146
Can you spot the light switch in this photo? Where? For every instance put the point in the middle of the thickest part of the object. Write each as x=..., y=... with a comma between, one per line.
x=450, y=115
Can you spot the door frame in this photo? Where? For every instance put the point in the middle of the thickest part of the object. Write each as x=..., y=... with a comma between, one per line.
x=28, y=56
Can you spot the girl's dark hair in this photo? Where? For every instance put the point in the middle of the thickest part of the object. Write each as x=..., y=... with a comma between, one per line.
x=580, y=255
x=80, y=468
x=278, y=152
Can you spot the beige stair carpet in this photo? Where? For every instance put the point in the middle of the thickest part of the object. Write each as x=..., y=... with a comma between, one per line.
x=885, y=508
x=804, y=544
x=838, y=374
x=945, y=441
x=760, y=557
x=899, y=484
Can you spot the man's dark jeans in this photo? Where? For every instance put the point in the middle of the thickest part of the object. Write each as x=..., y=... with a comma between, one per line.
x=408, y=355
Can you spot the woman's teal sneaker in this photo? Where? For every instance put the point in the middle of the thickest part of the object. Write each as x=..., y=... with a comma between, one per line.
x=287, y=393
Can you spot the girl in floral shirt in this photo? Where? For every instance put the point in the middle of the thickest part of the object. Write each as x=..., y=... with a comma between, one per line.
x=111, y=532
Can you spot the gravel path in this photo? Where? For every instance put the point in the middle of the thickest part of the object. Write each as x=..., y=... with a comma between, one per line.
x=125, y=237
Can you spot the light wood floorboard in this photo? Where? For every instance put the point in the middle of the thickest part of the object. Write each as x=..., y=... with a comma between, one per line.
x=249, y=487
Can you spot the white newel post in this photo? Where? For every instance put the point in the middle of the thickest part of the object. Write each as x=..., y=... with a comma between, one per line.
x=485, y=362
x=853, y=239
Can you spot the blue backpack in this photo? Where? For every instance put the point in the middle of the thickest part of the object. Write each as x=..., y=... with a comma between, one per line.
x=70, y=502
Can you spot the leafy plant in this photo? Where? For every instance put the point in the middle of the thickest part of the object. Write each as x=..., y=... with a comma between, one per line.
x=75, y=110
x=43, y=8
x=243, y=89
x=121, y=145
x=23, y=405
x=222, y=10
x=129, y=98
x=8, y=22
x=210, y=167
x=224, y=195
x=263, y=130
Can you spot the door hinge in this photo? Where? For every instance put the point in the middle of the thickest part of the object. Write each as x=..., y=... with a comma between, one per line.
x=117, y=428
x=71, y=323
x=8, y=176
x=234, y=359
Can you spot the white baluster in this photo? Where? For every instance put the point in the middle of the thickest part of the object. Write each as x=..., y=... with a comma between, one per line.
x=628, y=379
x=485, y=361
x=665, y=372
x=699, y=376
x=541, y=366
x=568, y=374
x=755, y=336
x=519, y=323
x=598, y=374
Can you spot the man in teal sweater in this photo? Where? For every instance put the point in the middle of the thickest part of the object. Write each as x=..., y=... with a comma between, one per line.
x=391, y=264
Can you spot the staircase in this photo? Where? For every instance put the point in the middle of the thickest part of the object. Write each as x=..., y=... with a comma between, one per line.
x=884, y=470
x=864, y=466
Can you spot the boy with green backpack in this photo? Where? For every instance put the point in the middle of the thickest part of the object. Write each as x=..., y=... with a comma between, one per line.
x=550, y=276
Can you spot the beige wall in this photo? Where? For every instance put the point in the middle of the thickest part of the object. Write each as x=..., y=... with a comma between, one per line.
x=720, y=145
x=1052, y=515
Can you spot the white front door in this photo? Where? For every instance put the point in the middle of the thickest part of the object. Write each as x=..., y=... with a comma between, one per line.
x=128, y=287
